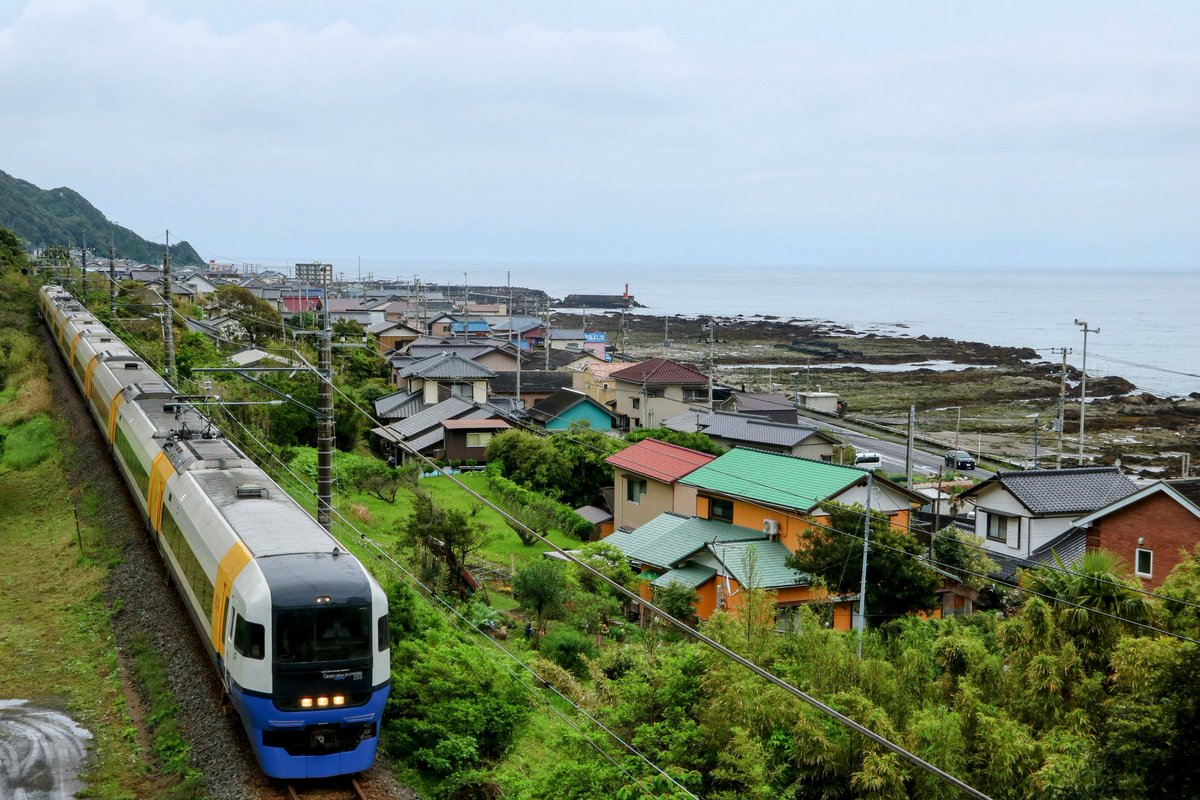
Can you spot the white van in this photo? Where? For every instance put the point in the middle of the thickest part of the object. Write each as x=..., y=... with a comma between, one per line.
x=868, y=460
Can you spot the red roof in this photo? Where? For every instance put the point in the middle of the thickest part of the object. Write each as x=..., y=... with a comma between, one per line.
x=658, y=460
x=660, y=371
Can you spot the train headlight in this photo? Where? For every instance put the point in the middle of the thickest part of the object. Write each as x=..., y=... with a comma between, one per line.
x=322, y=701
x=339, y=700
x=306, y=702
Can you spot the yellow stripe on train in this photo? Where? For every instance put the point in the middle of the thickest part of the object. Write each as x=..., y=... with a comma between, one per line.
x=231, y=566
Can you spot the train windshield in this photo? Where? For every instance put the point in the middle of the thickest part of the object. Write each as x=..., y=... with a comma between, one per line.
x=331, y=633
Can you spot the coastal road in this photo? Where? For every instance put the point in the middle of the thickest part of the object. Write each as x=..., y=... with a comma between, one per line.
x=892, y=453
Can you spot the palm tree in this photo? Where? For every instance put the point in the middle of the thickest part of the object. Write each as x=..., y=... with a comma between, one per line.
x=1092, y=597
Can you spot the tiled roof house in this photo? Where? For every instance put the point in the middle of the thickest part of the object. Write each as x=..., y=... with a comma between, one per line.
x=1016, y=513
x=646, y=481
x=651, y=392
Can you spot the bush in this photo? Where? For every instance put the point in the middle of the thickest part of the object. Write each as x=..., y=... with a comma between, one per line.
x=528, y=505
x=567, y=648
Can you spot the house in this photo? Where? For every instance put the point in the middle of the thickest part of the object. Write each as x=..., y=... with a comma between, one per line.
x=467, y=439
x=743, y=430
x=254, y=357
x=495, y=354
x=646, y=481
x=198, y=283
x=391, y=335
x=1016, y=513
x=527, y=330
x=444, y=375
x=720, y=562
x=769, y=405
x=535, y=385
x=567, y=409
x=424, y=432
x=653, y=391
x=448, y=325
x=593, y=379
x=1154, y=528
x=770, y=491
x=300, y=301
x=343, y=309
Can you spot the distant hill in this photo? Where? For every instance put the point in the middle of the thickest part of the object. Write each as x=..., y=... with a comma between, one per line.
x=43, y=217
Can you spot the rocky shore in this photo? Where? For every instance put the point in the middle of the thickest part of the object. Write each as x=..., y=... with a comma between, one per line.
x=989, y=397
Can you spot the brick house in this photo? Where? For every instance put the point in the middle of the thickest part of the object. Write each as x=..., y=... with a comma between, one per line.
x=1154, y=529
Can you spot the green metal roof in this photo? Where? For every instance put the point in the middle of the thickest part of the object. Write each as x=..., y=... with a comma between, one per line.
x=771, y=478
x=669, y=538
x=770, y=566
x=689, y=575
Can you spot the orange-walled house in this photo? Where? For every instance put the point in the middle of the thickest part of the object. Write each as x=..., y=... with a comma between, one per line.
x=776, y=493
x=718, y=561
x=646, y=481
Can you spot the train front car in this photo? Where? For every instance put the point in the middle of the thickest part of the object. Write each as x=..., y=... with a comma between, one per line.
x=329, y=668
x=305, y=638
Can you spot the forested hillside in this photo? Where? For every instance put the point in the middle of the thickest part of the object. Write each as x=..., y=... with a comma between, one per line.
x=43, y=217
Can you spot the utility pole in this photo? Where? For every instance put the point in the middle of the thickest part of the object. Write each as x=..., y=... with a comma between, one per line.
x=1062, y=402
x=83, y=269
x=1083, y=384
x=325, y=418
x=549, y=331
x=908, y=449
x=1036, y=425
x=168, y=323
x=112, y=279
x=466, y=313
x=862, y=585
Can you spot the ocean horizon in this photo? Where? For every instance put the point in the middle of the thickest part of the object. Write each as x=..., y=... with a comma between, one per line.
x=1146, y=317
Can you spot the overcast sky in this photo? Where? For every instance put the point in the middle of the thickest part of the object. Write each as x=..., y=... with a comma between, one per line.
x=1025, y=134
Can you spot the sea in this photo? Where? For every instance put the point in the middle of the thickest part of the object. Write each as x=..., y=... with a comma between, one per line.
x=1143, y=324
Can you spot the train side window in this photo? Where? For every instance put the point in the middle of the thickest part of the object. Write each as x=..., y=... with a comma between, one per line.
x=248, y=638
x=383, y=634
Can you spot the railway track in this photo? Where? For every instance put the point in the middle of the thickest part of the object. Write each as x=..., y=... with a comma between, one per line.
x=332, y=789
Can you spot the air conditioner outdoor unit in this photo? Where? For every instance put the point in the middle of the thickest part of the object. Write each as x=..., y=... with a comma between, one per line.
x=771, y=527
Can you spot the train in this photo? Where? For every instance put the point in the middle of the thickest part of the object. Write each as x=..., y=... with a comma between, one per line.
x=296, y=627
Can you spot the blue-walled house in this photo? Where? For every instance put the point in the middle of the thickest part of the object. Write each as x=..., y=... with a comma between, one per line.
x=570, y=408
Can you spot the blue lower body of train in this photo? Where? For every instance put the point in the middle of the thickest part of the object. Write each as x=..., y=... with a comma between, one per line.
x=314, y=743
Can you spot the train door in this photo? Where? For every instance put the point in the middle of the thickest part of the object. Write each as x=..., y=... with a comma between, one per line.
x=228, y=621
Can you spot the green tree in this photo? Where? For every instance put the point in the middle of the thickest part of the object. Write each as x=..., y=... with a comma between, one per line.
x=12, y=255
x=1181, y=613
x=530, y=461
x=898, y=581
x=542, y=587
x=696, y=440
x=1090, y=598
x=679, y=600
x=961, y=552
x=447, y=536
x=584, y=451
x=260, y=319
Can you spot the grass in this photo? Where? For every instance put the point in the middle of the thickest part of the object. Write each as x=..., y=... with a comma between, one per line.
x=56, y=643
x=28, y=444
x=169, y=746
x=503, y=547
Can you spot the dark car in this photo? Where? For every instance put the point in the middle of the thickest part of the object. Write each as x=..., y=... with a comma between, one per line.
x=959, y=459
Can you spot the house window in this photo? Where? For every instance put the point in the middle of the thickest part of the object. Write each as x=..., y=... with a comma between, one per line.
x=634, y=489
x=695, y=395
x=1144, y=562
x=1004, y=529
x=720, y=510
x=479, y=439
x=654, y=393
x=637, y=403
x=464, y=390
